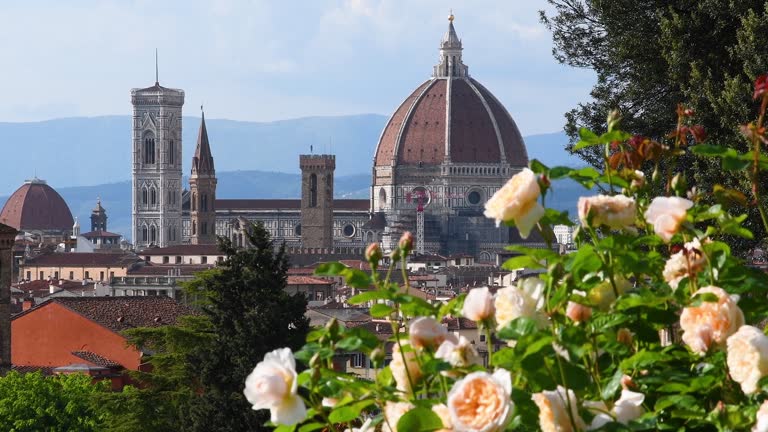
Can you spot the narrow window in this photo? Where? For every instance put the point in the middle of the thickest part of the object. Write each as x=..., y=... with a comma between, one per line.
x=313, y=190
x=87, y=275
x=152, y=196
x=152, y=234
x=204, y=205
x=144, y=235
x=144, y=196
x=204, y=260
x=101, y=276
x=71, y=275
x=171, y=153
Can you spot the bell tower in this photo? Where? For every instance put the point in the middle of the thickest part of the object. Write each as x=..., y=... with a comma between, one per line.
x=317, y=200
x=202, y=189
x=156, y=157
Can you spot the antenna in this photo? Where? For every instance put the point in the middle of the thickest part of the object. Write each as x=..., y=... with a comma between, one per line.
x=157, y=71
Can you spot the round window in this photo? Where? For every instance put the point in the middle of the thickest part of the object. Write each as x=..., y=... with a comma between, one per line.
x=297, y=230
x=348, y=230
x=474, y=197
x=420, y=195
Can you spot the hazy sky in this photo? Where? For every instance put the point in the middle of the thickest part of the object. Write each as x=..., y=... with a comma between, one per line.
x=263, y=60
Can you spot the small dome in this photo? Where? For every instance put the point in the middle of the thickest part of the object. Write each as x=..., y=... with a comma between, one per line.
x=36, y=206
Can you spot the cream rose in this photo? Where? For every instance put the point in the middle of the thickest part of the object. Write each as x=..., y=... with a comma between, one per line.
x=615, y=212
x=392, y=413
x=481, y=402
x=638, y=180
x=426, y=332
x=272, y=385
x=401, y=370
x=761, y=424
x=666, y=214
x=478, y=305
x=517, y=200
x=577, y=312
x=747, y=357
x=603, y=296
x=684, y=264
x=710, y=322
x=525, y=300
x=629, y=406
x=553, y=411
x=458, y=351
x=444, y=413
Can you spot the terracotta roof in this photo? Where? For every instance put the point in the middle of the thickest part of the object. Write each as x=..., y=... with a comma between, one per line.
x=455, y=324
x=121, y=313
x=96, y=359
x=307, y=280
x=41, y=288
x=379, y=328
x=85, y=259
x=416, y=132
x=187, y=249
x=287, y=204
x=357, y=264
x=36, y=206
x=96, y=234
x=45, y=370
x=304, y=271
x=165, y=269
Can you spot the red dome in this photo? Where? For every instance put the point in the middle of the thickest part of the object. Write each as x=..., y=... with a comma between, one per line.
x=36, y=206
x=479, y=129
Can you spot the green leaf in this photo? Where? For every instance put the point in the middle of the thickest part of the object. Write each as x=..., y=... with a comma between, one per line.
x=285, y=428
x=612, y=386
x=330, y=269
x=559, y=172
x=587, y=138
x=613, y=136
x=380, y=310
x=522, y=261
x=709, y=150
x=419, y=419
x=343, y=414
x=585, y=176
x=357, y=278
x=309, y=427
x=538, y=167
x=517, y=328
x=368, y=296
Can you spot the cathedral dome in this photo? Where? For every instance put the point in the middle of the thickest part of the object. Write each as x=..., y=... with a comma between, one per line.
x=451, y=118
x=36, y=206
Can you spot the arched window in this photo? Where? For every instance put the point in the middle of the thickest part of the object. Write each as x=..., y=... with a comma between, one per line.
x=169, y=233
x=453, y=66
x=144, y=234
x=144, y=196
x=149, y=148
x=171, y=152
x=204, y=205
x=446, y=65
x=152, y=196
x=382, y=198
x=152, y=234
x=313, y=190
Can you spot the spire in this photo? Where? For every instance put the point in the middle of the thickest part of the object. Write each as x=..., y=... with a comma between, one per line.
x=157, y=70
x=202, y=162
x=450, y=54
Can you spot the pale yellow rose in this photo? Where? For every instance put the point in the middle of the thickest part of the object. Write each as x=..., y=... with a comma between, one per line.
x=392, y=413
x=458, y=351
x=616, y=212
x=426, y=332
x=710, y=322
x=525, y=300
x=666, y=214
x=638, y=179
x=761, y=424
x=272, y=385
x=603, y=294
x=747, y=357
x=553, y=411
x=684, y=264
x=481, y=402
x=399, y=371
x=517, y=200
x=478, y=305
x=444, y=413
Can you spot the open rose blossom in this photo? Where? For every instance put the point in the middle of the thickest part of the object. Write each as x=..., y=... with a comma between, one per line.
x=458, y=351
x=481, y=402
x=762, y=418
x=426, y=332
x=478, y=305
x=525, y=300
x=272, y=385
x=517, y=200
x=748, y=357
x=553, y=410
x=629, y=406
x=710, y=322
x=615, y=212
x=392, y=413
x=666, y=214
x=684, y=264
x=398, y=368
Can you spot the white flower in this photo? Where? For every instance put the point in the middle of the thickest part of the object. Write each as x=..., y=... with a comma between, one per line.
x=666, y=214
x=638, y=180
x=402, y=370
x=426, y=332
x=478, y=305
x=553, y=410
x=444, y=413
x=481, y=402
x=629, y=406
x=525, y=300
x=684, y=264
x=762, y=418
x=617, y=211
x=272, y=385
x=517, y=200
x=459, y=352
x=747, y=357
x=711, y=322
x=392, y=413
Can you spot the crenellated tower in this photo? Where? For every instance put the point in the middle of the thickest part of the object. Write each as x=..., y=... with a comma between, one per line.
x=317, y=200
x=202, y=188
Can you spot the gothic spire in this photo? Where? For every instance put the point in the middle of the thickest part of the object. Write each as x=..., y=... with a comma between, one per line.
x=202, y=162
x=450, y=55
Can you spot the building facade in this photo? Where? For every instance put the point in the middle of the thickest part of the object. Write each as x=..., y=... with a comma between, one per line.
x=202, y=191
x=7, y=236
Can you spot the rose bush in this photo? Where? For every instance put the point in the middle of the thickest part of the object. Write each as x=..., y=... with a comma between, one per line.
x=649, y=324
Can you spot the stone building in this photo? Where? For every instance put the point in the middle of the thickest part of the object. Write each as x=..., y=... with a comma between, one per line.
x=202, y=191
x=7, y=236
x=317, y=200
x=98, y=238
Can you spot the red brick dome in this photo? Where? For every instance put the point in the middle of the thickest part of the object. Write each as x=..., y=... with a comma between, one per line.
x=36, y=206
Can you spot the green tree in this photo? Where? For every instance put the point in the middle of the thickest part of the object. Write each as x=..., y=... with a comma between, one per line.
x=650, y=55
x=250, y=314
x=33, y=402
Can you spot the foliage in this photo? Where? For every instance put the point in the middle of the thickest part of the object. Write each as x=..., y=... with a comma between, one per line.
x=33, y=402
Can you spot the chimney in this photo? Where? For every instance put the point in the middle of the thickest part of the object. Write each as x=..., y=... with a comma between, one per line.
x=28, y=303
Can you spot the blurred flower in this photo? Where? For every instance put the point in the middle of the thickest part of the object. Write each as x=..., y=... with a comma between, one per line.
x=444, y=413
x=458, y=351
x=710, y=322
x=748, y=357
x=762, y=418
x=553, y=410
x=481, y=401
x=684, y=264
x=698, y=132
x=406, y=242
x=761, y=86
x=373, y=253
x=401, y=370
x=616, y=211
x=602, y=295
x=426, y=332
x=517, y=200
x=525, y=300
x=628, y=407
x=392, y=413
x=272, y=385
x=666, y=214
x=578, y=312
x=625, y=337
x=638, y=179
x=478, y=305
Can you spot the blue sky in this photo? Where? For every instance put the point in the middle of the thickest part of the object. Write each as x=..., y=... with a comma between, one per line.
x=268, y=60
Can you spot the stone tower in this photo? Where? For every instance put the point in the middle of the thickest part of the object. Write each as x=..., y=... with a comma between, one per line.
x=7, y=236
x=317, y=200
x=98, y=217
x=202, y=188
x=156, y=166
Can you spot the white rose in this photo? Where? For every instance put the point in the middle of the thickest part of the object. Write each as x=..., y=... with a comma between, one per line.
x=762, y=418
x=747, y=357
x=711, y=322
x=684, y=264
x=629, y=406
x=366, y=427
x=525, y=300
x=638, y=180
x=666, y=214
x=481, y=402
x=478, y=305
x=392, y=413
x=444, y=413
x=517, y=200
x=426, y=332
x=553, y=410
x=272, y=385
x=615, y=212
x=602, y=416
x=401, y=370
x=459, y=352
